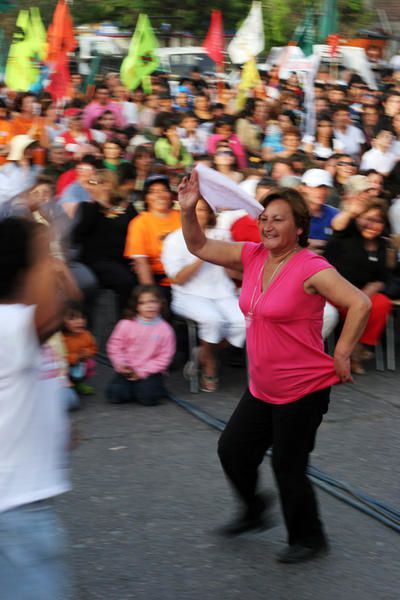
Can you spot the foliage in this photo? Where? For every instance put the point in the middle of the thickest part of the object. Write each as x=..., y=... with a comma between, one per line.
x=279, y=23
x=281, y=17
x=353, y=15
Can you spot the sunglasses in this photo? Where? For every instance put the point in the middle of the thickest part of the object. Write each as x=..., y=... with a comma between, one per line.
x=224, y=153
x=346, y=164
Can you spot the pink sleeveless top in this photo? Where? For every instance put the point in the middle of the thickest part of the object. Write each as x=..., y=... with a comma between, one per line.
x=284, y=342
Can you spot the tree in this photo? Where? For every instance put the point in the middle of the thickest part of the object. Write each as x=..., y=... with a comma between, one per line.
x=281, y=17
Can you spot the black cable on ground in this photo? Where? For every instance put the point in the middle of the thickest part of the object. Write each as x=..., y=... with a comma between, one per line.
x=385, y=514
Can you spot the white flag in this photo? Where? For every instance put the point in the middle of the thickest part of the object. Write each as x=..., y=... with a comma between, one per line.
x=249, y=38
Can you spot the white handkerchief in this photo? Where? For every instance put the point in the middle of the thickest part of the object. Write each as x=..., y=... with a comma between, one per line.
x=221, y=192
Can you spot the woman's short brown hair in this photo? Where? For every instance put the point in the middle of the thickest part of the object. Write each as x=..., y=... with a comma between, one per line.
x=298, y=207
x=378, y=204
x=291, y=131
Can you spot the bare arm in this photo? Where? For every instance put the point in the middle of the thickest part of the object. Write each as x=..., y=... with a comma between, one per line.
x=226, y=254
x=268, y=154
x=373, y=288
x=70, y=208
x=340, y=292
x=351, y=211
x=187, y=272
x=49, y=285
x=143, y=271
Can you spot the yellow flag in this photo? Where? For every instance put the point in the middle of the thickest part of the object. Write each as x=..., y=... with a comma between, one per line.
x=28, y=46
x=37, y=35
x=250, y=79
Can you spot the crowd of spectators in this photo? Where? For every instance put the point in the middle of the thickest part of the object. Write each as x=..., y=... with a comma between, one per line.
x=102, y=173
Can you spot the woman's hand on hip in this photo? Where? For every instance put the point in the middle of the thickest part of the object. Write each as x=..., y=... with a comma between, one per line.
x=342, y=368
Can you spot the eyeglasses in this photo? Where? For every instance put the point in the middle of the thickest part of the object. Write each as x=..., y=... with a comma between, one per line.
x=346, y=164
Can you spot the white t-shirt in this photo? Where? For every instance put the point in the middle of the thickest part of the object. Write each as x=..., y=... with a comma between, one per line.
x=351, y=139
x=383, y=162
x=210, y=281
x=395, y=148
x=33, y=422
x=130, y=113
x=394, y=216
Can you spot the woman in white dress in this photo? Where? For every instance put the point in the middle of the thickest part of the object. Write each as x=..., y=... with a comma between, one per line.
x=206, y=294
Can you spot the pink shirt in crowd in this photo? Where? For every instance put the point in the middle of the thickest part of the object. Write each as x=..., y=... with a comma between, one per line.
x=235, y=145
x=94, y=110
x=284, y=342
x=146, y=346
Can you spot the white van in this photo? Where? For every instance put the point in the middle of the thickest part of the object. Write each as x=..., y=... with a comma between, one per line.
x=179, y=61
x=112, y=48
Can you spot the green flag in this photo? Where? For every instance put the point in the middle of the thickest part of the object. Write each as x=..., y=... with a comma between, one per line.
x=27, y=48
x=304, y=34
x=3, y=52
x=142, y=57
x=328, y=21
x=6, y=5
x=90, y=81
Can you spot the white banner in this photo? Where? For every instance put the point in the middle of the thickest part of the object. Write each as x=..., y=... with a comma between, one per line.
x=249, y=39
x=353, y=58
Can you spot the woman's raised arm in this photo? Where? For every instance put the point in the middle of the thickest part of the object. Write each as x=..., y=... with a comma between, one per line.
x=226, y=254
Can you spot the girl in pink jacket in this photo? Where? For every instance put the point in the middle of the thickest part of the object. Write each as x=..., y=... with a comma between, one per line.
x=141, y=348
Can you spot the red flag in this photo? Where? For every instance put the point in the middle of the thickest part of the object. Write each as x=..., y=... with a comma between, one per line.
x=214, y=42
x=61, y=41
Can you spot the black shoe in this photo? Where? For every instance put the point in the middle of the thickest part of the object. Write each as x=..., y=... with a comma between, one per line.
x=298, y=553
x=253, y=519
x=243, y=525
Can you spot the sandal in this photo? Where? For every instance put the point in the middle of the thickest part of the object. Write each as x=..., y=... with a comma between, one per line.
x=366, y=354
x=208, y=383
x=356, y=367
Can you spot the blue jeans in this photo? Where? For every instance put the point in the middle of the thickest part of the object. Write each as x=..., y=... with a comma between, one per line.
x=148, y=391
x=32, y=554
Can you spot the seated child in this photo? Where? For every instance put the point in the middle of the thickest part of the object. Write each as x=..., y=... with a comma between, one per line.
x=140, y=348
x=80, y=346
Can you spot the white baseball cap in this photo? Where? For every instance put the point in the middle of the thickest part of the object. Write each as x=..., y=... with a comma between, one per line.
x=317, y=177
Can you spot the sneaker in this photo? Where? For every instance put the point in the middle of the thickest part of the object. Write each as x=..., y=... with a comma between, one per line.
x=84, y=389
x=298, y=553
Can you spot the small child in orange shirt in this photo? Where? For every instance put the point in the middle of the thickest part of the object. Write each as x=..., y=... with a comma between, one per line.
x=80, y=346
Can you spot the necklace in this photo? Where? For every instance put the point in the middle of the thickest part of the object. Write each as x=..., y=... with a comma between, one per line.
x=253, y=304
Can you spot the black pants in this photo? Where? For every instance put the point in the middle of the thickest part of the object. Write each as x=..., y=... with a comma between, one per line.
x=116, y=276
x=148, y=391
x=290, y=429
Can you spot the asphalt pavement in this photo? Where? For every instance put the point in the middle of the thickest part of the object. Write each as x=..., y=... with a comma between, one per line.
x=149, y=493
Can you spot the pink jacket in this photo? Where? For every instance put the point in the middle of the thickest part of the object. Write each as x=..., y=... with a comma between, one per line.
x=146, y=346
x=235, y=145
